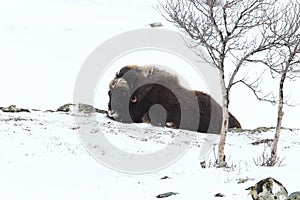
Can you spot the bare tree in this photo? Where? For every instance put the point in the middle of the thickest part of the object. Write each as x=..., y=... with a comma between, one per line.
x=233, y=35
x=287, y=64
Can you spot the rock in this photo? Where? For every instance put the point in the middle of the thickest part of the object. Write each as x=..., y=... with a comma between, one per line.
x=65, y=107
x=269, y=142
x=268, y=189
x=219, y=195
x=294, y=196
x=164, y=195
x=242, y=180
x=165, y=177
x=203, y=164
x=13, y=109
x=85, y=108
x=156, y=24
x=50, y=111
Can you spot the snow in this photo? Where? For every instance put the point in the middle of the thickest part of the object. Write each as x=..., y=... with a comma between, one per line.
x=42, y=156
x=43, y=46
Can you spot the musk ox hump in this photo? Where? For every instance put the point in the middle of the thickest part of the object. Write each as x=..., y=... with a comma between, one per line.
x=142, y=71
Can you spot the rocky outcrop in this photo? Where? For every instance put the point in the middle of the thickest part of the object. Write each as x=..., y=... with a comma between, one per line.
x=268, y=189
x=294, y=196
x=84, y=108
x=167, y=194
x=13, y=109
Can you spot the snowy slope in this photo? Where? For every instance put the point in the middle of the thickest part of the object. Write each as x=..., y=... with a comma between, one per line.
x=42, y=157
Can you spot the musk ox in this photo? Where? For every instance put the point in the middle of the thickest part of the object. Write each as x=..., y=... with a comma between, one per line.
x=149, y=94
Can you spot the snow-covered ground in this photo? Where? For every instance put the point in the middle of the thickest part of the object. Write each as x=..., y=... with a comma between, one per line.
x=42, y=157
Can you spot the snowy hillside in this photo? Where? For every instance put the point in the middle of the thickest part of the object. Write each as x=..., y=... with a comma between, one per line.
x=42, y=156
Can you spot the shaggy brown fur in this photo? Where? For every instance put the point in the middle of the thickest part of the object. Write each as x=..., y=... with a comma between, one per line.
x=148, y=94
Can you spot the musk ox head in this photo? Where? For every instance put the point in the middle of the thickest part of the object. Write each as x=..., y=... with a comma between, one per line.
x=135, y=89
x=148, y=94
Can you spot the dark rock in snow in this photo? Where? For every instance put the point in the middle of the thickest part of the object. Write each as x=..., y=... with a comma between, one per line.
x=84, y=108
x=219, y=195
x=167, y=194
x=294, y=196
x=263, y=141
x=65, y=107
x=242, y=180
x=268, y=189
x=13, y=109
x=203, y=164
x=156, y=24
x=165, y=177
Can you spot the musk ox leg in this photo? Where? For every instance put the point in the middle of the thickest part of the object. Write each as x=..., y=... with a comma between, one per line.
x=146, y=119
x=157, y=116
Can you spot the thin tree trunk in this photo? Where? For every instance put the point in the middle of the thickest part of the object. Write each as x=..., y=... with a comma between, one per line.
x=279, y=121
x=224, y=128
